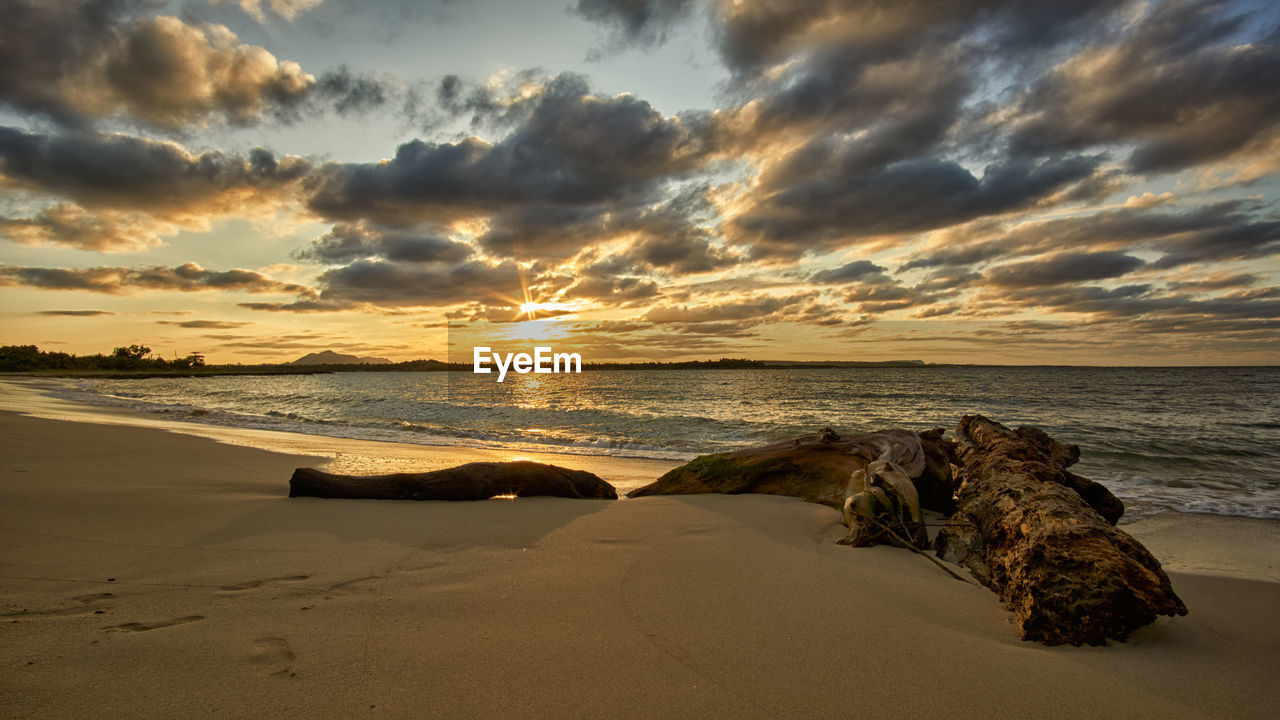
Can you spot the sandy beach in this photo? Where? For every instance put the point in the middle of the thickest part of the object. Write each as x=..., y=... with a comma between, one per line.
x=151, y=573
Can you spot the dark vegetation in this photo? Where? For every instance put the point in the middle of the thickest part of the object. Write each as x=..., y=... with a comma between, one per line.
x=28, y=358
x=138, y=360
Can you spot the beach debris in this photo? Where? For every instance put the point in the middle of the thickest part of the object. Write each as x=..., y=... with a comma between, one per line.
x=473, y=481
x=1045, y=541
x=819, y=467
x=882, y=506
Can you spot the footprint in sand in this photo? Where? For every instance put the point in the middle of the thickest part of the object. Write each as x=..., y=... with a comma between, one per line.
x=275, y=655
x=359, y=586
x=88, y=606
x=155, y=625
x=251, y=584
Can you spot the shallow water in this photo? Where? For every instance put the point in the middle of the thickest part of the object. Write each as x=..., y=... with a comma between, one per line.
x=1189, y=439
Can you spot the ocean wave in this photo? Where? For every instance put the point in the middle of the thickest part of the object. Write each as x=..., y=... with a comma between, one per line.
x=1175, y=442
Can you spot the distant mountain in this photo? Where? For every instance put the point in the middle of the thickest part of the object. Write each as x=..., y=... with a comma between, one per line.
x=329, y=357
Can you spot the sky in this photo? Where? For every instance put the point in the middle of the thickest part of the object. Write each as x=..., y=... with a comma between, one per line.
x=1009, y=182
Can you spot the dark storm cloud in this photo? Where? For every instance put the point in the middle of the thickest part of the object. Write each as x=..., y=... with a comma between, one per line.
x=756, y=36
x=948, y=281
x=494, y=104
x=882, y=296
x=681, y=255
x=355, y=241
x=874, y=292
x=546, y=230
x=1233, y=242
x=901, y=107
x=615, y=279
x=616, y=290
x=44, y=43
x=81, y=61
x=125, y=172
x=117, y=280
x=636, y=22
x=77, y=313
x=419, y=284
x=1215, y=282
x=886, y=93
x=1063, y=269
x=1138, y=301
x=1188, y=84
x=847, y=272
x=667, y=235
x=353, y=94
x=1216, y=232
x=835, y=205
x=573, y=149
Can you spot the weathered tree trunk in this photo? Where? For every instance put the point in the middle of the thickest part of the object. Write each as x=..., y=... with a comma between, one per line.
x=1034, y=533
x=817, y=468
x=473, y=481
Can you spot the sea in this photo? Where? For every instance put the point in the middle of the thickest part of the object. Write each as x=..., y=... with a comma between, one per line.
x=1201, y=440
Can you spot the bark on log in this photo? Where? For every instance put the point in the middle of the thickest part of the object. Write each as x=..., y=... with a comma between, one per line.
x=473, y=481
x=818, y=468
x=1025, y=530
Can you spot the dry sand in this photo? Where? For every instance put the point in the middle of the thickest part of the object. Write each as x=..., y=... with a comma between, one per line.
x=146, y=573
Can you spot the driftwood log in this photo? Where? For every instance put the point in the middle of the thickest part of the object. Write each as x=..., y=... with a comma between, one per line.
x=878, y=480
x=473, y=481
x=1044, y=540
x=817, y=468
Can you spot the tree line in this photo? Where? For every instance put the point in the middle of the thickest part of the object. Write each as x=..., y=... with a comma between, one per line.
x=24, y=358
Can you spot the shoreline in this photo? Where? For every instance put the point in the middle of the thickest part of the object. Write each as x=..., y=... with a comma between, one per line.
x=340, y=455
x=358, y=449
x=160, y=574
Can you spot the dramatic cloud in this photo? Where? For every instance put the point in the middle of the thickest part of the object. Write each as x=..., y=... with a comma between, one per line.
x=863, y=168
x=414, y=284
x=750, y=309
x=127, y=173
x=574, y=149
x=620, y=290
x=81, y=61
x=757, y=36
x=1221, y=281
x=356, y=241
x=847, y=272
x=1189, y=83
x=1132, y=301
x=119, y=280
x=640, y=22
x=1215, y=232
x=70, y=225
x=1063, y=269
x=831, y=205
x=878, y=293
x=76, y=61
x=352, y=94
